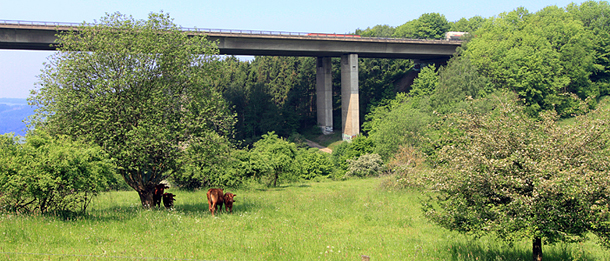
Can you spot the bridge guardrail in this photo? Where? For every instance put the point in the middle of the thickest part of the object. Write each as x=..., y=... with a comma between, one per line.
x=20, y=22
x=237, y=31
x=232, y=31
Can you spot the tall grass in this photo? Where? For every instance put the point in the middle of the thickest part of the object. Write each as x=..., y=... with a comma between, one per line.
x=309, y=221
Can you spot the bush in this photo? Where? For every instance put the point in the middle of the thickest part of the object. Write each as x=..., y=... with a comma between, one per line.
x=367, y=165
x=51, y=174
x=314, y=165
x=277, y=157
x=410, y=170
x=351, y=150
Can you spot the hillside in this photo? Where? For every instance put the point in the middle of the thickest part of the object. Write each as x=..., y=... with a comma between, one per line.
x=12, y=113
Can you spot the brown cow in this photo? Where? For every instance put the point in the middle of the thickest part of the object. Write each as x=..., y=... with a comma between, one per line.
x=229, y=202
x=215, y=199
x=168, y=200
x=158, y=194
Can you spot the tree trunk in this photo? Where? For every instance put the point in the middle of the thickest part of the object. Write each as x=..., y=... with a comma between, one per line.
x=146, y=197
x=537, y=249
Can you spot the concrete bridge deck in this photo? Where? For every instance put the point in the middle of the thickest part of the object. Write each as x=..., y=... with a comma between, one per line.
x=31, y=36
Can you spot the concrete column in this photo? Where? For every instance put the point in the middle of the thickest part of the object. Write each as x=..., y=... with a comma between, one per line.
x=350, y=116
x=324, y=94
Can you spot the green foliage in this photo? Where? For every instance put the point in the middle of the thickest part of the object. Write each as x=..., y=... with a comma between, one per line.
x=314, y=165
x=540, y=56
x=468, y=25
x=425, y=83
x=427, y=26
x=404, y=120
x=409, y=168
x=379, y=80
x=276, y=158
x=595, y=17
x=350, y=151
x=367, y=165
x=517, y=177
x=383, y=31
x=207, y=163
x=270, y=94
x=141, y=95
x=457, y=81
x=400, y=123
x=51, y=174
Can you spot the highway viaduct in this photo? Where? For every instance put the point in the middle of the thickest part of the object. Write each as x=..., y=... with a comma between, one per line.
x=20, y=35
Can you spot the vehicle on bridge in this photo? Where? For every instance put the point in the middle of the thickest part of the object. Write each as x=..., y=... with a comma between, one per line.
x=333, y=35
x=455, y=35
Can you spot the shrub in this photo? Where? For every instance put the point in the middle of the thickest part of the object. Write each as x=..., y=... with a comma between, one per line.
x=351, y=150
x=314, y=164
x=410, y=169
x=51, y=174
x=277, y=157
x=367, y=165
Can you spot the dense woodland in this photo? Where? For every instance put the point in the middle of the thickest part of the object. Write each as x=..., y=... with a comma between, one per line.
x=547, y=68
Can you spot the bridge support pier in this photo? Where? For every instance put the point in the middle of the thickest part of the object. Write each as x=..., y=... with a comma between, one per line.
x=324, y=94
x=350, y=103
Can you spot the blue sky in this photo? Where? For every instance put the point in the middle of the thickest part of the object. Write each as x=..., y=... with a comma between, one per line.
x=19, y=69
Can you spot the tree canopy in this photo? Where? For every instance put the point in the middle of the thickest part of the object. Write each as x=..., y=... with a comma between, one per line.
x=517, y=177
x=542, y=57
x=140, y=89
x=427, y=26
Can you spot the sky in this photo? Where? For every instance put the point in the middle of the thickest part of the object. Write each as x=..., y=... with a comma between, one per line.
x=19, y=70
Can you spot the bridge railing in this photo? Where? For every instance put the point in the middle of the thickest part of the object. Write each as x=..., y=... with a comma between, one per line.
x=235, y=31
x=231, y=31
x=20, y=22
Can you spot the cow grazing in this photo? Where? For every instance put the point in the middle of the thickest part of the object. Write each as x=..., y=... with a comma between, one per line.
x=215, y=199
x=228, y=197
x=158, y=194
x=168, y=200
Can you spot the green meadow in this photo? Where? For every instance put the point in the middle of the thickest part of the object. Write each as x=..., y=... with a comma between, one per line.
x=340, y=220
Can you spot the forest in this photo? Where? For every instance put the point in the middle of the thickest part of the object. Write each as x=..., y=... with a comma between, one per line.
x=522, y=88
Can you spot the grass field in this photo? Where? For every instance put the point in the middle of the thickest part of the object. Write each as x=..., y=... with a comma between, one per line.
x=313, y=221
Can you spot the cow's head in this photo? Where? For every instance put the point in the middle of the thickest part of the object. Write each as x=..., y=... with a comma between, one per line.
x=229, y=197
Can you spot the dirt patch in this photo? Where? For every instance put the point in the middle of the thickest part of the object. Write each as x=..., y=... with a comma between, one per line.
x=316, y=145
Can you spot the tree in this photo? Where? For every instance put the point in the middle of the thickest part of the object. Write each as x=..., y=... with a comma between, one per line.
x=427, y=26
x=467, y=25
x=140, y=89
x=279, y=157
x=207, y=163
x=595, y=16
x=458, y=80
x=398, y=123
x=540, y=56
x=270, y=94
x=425, y=83
x=517, y=177
x=377, y=31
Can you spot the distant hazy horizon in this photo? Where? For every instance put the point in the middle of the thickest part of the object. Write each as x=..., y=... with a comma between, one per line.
x=12, y=113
